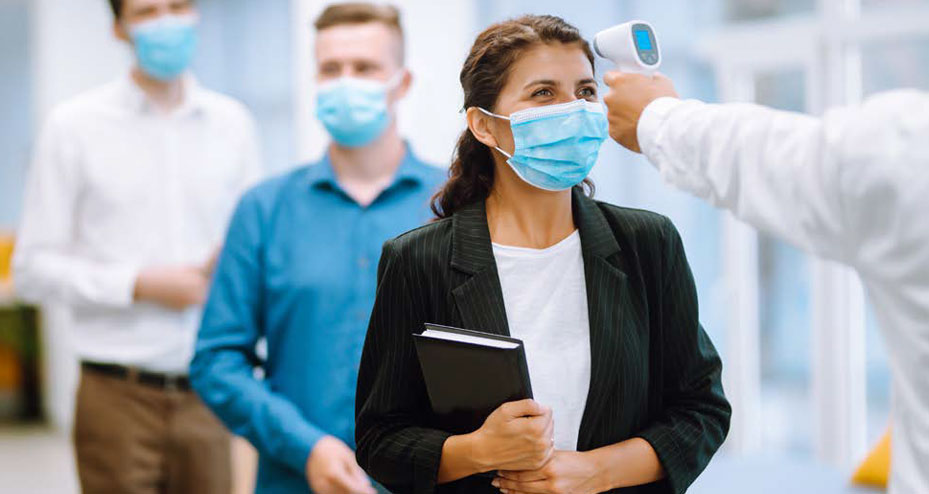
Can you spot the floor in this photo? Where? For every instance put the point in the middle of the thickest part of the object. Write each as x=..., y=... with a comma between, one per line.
x=36, y=460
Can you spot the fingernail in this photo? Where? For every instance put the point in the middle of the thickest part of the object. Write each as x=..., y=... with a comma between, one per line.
x=496, y=483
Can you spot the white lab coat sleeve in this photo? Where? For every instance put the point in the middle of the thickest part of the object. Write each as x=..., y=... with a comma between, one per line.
x=775, y=170
x=44, y=266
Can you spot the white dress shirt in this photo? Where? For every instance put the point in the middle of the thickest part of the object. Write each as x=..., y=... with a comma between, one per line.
x=117, y=186
x=852, y=186
x=545, y=296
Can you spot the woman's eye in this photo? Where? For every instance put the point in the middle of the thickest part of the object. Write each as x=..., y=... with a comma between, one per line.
x=542, y=92
x=587, y=92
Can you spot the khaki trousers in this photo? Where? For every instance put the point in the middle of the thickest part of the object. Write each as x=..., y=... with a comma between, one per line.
x=137, y=438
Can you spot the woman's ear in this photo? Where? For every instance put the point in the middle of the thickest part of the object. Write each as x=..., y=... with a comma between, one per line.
x=481, y=125
x=120, y=32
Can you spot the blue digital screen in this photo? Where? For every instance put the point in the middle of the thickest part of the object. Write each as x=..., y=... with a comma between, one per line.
x=642, y=39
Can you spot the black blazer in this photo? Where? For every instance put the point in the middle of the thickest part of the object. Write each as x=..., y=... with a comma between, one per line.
x=654, y=372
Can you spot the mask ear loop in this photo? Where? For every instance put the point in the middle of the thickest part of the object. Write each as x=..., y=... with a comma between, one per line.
x=394, y=81
x=508, y=155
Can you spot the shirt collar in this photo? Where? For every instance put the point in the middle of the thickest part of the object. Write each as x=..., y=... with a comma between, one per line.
x=194, y=96
x=411, y=170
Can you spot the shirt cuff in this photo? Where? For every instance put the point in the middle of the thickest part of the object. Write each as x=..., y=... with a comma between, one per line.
x=302, y=444
x=119, y=285
x=650, y=122
x=427, y=458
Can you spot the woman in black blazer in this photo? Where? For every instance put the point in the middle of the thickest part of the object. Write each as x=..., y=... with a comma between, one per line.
x=654, y=413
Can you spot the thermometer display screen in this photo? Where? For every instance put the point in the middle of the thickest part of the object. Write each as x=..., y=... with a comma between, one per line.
x=642, y=39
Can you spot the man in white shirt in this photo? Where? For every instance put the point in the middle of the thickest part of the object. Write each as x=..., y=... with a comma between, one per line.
x=852, y=186
x=126, y=204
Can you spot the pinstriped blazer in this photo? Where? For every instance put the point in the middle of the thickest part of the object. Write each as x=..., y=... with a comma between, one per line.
x=654, y=372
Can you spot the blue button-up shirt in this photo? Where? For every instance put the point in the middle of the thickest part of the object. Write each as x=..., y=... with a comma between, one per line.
x=299, y=269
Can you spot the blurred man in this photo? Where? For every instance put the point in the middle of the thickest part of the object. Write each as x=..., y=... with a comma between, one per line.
x=299, y=266
x=852, y=186
x=127, y=201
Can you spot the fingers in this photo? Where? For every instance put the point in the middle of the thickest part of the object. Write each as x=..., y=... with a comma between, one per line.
x=540, y=427
x=525, y=408
x=353, y=479
x=516, y=487
x=361, y=483
x=523, y=476
x=360, y=486
x=614, y=78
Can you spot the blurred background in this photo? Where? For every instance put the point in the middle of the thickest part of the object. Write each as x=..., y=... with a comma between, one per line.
x=804, y=363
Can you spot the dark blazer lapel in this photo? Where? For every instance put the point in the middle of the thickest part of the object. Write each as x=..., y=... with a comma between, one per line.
x=607, y=306
x=479, y=298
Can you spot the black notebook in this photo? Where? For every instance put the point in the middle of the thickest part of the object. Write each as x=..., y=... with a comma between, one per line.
x=469, y=374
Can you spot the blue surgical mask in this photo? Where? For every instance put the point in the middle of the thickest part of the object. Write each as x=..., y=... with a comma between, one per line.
x=556, y=146
x=164, y=47
x=354, y=110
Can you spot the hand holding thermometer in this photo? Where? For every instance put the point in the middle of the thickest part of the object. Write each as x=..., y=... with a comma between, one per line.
x=633, y=46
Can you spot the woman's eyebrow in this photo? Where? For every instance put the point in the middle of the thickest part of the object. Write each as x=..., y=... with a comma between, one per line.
x=541, y=82
x=589, y=80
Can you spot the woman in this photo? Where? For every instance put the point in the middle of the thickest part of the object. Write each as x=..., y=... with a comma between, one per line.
x=626, y=382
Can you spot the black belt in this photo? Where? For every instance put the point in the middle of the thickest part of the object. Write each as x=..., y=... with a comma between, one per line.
x=154, y=379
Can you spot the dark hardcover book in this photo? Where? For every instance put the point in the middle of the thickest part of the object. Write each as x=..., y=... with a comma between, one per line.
x=469, y=374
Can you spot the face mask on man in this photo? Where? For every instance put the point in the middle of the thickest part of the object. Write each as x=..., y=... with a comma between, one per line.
x=556, y=146
x=164, y=47
x=354, y=110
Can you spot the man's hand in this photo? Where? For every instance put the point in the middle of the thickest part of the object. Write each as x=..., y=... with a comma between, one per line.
x=331, y=469
x=629, y=95
x=568, y=472
x=173, y=287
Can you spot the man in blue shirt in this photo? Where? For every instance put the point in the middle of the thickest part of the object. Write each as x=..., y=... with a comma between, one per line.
x=298, y=267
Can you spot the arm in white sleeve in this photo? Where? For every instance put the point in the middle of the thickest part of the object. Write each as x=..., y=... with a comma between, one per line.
x=776, y=170
x=44, y=264
x=836, y=186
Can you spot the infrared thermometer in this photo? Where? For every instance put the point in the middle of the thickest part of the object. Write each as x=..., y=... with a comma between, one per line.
x=632, y=46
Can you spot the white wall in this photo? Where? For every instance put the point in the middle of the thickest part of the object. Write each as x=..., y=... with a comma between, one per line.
x=74, y=49
x=16, y=117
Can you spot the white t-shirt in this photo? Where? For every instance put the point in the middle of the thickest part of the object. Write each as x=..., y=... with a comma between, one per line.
x=546, y=307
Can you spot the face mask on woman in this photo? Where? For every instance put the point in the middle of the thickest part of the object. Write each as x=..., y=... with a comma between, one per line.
x=354, y=110
x=556, y=146
x=164, y=47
